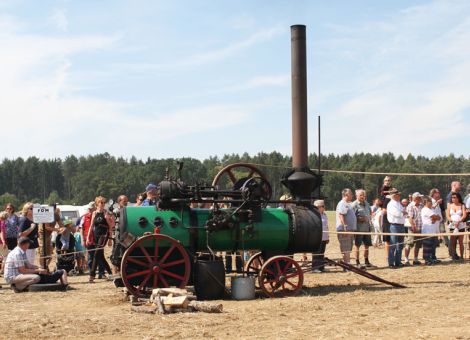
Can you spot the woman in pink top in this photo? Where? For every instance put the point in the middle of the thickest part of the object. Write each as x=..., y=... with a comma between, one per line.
x=3, y=242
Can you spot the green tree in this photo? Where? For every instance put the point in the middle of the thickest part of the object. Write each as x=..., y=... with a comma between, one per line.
x=8, y=198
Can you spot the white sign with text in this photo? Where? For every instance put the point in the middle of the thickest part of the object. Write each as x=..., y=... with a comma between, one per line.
x=43, y=213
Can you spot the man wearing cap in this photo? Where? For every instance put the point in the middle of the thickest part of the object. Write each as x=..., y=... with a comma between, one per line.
x=84, y=228
x=415, y=226
x=396, y=215
x=19, y=273
x=345, y=221
x=152, y=195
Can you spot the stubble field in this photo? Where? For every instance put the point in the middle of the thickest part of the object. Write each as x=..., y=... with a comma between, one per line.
x=332, y=305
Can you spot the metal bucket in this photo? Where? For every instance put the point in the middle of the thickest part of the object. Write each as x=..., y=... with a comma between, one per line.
x=243, y=288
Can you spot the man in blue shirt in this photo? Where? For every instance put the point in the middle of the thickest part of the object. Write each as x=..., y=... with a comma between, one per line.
x=152, y=196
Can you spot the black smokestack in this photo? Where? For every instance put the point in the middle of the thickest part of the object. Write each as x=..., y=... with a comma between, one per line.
x=300, y=181
x=299, y=97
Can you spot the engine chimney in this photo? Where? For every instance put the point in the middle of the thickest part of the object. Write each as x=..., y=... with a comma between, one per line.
x=299, y=97
x=300, y=181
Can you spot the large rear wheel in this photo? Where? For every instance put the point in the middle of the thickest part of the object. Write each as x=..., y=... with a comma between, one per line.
x=155, y=261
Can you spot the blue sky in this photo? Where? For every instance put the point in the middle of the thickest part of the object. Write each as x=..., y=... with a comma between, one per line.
x=199, y=78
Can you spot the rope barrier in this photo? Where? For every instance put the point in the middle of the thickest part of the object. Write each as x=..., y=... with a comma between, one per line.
x=450, y=174
x=397, y=234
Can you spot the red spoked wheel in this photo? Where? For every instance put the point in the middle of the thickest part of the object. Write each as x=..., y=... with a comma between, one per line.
x=155, y=261
x=253, y=266
x=281, y=275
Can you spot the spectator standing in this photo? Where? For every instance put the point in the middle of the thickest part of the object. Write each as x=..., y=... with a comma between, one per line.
x=345, y=221
x=152, y=196
x=437, y=201
x=377, y=219
x=362, y=211
x=30, y=230
x=456, y=215
x=455, y=188
x=88, y=243
x=3, y=242
x=100, y=233
x=467, y=209
x=405, y=202
x=12, y=227
x=396, y=215
x=415, y=225
x=466, y=200
x=80, y=251
x=118, y=250
x=384, y=196
x=318, y=262
x=430, y=216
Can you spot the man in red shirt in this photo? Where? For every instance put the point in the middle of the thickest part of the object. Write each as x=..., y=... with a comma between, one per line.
x=85, y=224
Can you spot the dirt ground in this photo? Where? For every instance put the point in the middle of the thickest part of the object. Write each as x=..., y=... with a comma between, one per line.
x=332, y=305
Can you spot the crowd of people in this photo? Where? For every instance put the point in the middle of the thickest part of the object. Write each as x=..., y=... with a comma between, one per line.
x=412, y=222
x=27, y=247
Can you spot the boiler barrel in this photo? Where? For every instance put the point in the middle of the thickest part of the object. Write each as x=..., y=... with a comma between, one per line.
x=295, y=229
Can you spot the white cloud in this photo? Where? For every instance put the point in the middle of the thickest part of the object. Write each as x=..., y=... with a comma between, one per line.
x=47, y=118
x=412, y=89
x=211, y=56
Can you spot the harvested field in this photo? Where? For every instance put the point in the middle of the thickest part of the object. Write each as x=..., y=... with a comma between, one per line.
x=332, y=305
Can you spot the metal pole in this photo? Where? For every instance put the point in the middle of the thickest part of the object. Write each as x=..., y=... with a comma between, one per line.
x=44, y=260
x=319, y=145
x=319, y=152
x=299, y=97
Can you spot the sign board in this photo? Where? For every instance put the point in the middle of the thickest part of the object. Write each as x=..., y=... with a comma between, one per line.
x=43, y=213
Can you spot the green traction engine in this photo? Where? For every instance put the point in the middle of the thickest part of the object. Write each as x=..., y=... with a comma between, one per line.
x=162, y=245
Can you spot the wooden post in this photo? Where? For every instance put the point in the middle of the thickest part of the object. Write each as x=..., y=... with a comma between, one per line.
x=44, y=260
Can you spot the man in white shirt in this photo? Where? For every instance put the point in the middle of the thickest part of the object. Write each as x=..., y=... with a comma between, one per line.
x=396, y=214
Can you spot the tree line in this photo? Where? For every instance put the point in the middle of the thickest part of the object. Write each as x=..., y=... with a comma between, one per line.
x=77, y=180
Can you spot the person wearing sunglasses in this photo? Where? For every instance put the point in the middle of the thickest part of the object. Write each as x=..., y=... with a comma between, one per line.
x=102, y=224
x=30, y=230
x=12, y=227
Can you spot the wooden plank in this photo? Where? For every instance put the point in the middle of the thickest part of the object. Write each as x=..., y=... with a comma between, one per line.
x=175, y=301
x=206, y=307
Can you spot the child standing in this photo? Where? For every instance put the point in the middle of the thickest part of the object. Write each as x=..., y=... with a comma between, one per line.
x=65, y=233
x=80, y=253
x=430, y=217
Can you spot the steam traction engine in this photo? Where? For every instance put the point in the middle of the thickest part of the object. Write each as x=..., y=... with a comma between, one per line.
x=164, y=244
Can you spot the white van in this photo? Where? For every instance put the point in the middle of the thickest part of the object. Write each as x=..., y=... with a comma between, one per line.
x=69, y=212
